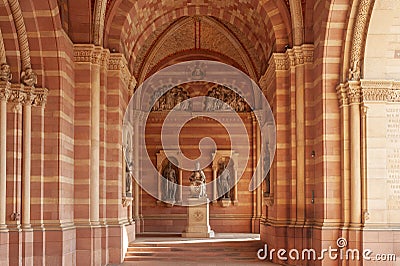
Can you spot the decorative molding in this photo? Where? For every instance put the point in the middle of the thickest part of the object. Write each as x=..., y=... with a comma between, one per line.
x=98, y=21
x=381, y=90
x=117, y=62
x=297, y=21
x=359, y=38
x=83, y=54
x=2, y=49
x=21, y=33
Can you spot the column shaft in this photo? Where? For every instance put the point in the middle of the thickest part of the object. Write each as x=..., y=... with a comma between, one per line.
x=355, y=135
x=300, y=144
x=95, y=145
x=3, y=160
x=26, y=166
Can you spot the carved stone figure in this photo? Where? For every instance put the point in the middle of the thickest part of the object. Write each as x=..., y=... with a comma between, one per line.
x=198, y=183
x=355, y=71
x=128, y=170
x=266, y=169
x=28, y=77
x=220, y=94
x=5, y=72
x=174, y=97
x=224, y=178
x=170, y=187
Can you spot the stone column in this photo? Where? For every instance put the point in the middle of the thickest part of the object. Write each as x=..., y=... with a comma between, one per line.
x=181, y=185
x=136, y=163
x=26, y=165
x=344, y=108
x=3, y=151
x=300, y=135
x=259, y=188
x=354, y=94
x=95, y=139
x=215, y=186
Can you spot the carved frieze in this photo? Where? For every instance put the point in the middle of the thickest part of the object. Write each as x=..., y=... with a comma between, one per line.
x=381, y=90
x=222, y=94
x=176, y=96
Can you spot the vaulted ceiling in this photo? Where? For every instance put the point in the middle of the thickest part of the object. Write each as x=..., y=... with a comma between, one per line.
x=154, y=33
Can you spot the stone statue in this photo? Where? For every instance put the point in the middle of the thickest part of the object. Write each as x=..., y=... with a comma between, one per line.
x=128, y=170
x=28, y=77
x=267, y=173
x=170, y=187
x=5, y=72
x=224, y=178
x=198, y=183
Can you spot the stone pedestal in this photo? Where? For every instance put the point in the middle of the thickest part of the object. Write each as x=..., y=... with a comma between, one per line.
x=225, y=203
x=198, y=219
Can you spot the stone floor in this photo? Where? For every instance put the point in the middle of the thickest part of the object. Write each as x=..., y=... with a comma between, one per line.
x=171, y=249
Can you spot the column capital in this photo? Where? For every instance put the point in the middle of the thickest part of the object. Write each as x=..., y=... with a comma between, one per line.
x=4, y=90
x=354, y=92
x=341, y=91
x=22, y=95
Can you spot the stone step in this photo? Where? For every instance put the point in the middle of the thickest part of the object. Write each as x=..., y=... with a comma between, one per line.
x=194, y=251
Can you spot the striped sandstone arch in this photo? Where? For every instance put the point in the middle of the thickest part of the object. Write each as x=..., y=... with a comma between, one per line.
x=129, y=23
x=144, y=66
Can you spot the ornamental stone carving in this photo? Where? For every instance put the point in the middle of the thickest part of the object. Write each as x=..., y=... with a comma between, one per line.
x=355, y=71
x=354, y=92
x=341, y=91
x=359, y=36
x=381, y=90
x=223, y=94
x=4, y=91
x=176, y=96
x=28, y=77
x=21, y=96
x=5, y=72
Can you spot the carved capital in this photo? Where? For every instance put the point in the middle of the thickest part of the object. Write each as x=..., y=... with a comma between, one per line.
x=83, y=53
x=20, y=95
x=96, y=57
x=281, y=61
x=298, y=57
x=308, y=51
x=354, y=92
x=4, y=90
x=341, y=91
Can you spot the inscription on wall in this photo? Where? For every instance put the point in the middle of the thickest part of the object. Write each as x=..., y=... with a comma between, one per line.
x=393, y=156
